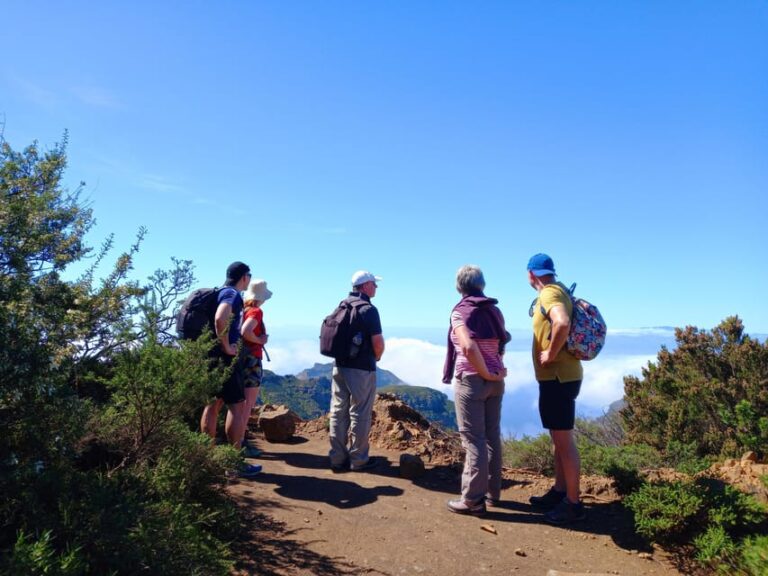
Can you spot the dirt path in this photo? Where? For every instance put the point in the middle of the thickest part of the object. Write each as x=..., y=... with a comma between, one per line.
x=307, y=520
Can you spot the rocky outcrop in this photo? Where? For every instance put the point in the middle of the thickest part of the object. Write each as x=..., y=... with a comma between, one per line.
x=397, y=426
x=744, y=474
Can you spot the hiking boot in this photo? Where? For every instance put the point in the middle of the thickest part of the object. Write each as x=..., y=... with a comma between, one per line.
x=566, y=512
x=461, y=507
x=371, y=463
x=549, y=500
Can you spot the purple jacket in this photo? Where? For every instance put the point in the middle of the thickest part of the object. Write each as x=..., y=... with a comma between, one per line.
x=483, y=320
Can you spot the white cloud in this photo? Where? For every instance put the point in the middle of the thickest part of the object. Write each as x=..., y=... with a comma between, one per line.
x=96, y=96
x=420, y=363
x=604, y=379
x=416, y=362
x=639, y=332
x=294, y=356
x=37, y=94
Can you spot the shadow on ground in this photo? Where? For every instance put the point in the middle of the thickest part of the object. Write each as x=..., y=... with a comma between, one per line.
x=268, y=548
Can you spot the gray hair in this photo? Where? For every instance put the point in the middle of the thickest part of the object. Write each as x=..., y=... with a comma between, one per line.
x=469, y=278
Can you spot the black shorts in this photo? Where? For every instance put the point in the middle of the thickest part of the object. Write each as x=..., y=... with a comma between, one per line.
x=557, y=403
x=232, y=388
x=252, y=371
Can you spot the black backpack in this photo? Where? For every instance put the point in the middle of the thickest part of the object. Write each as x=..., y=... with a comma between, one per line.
x=340, y=327
x=198, y=313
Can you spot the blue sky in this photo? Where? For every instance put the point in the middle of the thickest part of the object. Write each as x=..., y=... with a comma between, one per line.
x=629, y=140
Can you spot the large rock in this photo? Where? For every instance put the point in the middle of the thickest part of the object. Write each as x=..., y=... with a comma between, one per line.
x=278, y=423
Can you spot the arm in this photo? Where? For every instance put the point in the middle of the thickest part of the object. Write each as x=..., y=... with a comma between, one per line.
x=377, y=341
x=561, y=325
x=471, y=350
x=222, y=318
x=248, y=332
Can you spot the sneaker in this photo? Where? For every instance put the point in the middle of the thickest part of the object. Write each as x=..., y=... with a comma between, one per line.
x=339, y=468
x=461, y=507
x=371, y=463
x=250, y=451
x=549, y=500
x=491, y=502
x=566, y=512
x=248, y=470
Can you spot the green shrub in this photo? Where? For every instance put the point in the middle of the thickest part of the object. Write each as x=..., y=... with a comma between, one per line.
x=37, y=557
x=622, y=463
x=530, y=452
x=664, y=512
x=715, y=547
x=685, y=457
x=708, y=392
x=754, y=555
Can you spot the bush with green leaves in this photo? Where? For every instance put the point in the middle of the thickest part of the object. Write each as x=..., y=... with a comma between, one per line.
x=533, y=452
x=709, y=392
x=101, y=469
x=720, y=522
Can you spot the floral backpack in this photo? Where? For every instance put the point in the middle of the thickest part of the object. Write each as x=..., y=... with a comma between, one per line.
x=587, y=335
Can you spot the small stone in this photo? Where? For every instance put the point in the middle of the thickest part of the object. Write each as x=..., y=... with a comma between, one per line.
x=306, y=520
x=488, y=528
x=645, y=555
x=749, y=457
x=520, y=552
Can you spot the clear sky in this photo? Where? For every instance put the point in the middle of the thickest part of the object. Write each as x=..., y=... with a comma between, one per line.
x=629, y=140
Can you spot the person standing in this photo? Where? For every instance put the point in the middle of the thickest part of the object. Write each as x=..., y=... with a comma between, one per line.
x=559, y=375
x=255, y=336
x=476, y=340
x=232, y=393
x=353, y=388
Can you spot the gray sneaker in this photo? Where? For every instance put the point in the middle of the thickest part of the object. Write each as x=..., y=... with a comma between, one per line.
x=461, y=507
x=549, y=500
x=566, y=512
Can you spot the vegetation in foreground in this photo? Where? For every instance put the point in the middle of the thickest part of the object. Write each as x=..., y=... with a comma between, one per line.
x=100, y=470
x=701, y=403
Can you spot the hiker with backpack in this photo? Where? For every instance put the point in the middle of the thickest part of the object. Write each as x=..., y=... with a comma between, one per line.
x=255, y=337
x=226, y=323
x=352, y=336
x=559, y=374
x=476, y=340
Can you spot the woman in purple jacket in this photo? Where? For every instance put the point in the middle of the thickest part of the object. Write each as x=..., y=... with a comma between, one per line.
x=476, y=342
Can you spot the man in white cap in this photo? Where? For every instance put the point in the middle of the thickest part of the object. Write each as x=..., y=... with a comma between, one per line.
x=354, y=381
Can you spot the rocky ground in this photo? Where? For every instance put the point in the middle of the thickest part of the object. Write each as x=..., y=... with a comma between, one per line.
x=305, y=520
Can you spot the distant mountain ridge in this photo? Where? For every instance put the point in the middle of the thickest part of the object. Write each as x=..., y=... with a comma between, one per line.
x=308, y=393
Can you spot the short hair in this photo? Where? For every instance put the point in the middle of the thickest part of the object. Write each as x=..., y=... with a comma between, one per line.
x=469, y=278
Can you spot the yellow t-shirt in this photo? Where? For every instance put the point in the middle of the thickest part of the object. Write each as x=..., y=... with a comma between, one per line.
x=565, y=368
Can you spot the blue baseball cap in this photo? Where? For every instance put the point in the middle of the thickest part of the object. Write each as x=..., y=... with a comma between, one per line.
x=541, y=265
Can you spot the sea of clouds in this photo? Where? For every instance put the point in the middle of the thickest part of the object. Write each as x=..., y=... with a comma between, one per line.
x=419, y=362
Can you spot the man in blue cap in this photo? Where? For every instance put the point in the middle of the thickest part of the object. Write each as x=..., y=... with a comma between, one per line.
x=559, y=375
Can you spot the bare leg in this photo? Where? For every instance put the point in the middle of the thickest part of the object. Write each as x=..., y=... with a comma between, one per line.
x=210, y=417
x=233, y=426
x=251, y=395
x=567, y=463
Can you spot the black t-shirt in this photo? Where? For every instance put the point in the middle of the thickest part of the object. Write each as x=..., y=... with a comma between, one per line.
x=371, y=326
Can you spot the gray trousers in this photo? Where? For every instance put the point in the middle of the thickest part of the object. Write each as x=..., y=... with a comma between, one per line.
x=352, y=394
x=478, y=412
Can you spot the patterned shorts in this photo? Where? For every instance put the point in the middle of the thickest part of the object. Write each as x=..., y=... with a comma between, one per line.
x=252, y=371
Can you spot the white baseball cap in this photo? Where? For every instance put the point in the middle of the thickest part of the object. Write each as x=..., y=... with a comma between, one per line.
x=362, y=276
